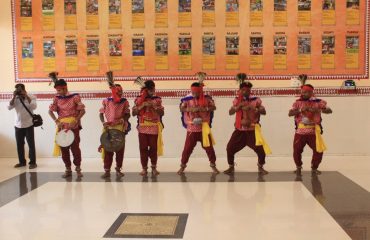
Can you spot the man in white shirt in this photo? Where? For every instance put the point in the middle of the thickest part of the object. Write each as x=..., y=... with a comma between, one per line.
x=23, y=124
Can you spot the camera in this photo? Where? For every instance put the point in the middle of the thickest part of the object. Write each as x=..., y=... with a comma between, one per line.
x=18, y=91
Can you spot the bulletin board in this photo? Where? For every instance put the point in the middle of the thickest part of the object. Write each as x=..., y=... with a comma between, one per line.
x=174, y=39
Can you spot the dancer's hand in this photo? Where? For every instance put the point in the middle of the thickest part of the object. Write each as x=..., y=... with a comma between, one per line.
x=59, y=124
x=304, y=109
x=147, y=104
x=247, y=108
x=73, y=124
x=105, y=124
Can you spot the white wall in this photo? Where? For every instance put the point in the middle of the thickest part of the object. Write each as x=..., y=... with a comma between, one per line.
x=346, y=132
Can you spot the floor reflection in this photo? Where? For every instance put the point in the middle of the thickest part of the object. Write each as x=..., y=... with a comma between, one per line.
x=345, y=201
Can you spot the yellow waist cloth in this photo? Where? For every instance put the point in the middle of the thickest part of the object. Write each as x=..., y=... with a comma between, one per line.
x=57, y=151
x=160, y=146
x=260, y=141
x=117, y=127
x=206, y=134
x=320, y=144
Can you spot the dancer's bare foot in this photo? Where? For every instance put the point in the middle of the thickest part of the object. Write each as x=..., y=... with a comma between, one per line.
x=155, y=171
x=78, y=171
x=67, y=173
x=106, y=175
x=182, y=169
x=144, y=172
x=119, y=173
x=230, y=170
x=261, y=170
x=214, y=169
x=298, y=171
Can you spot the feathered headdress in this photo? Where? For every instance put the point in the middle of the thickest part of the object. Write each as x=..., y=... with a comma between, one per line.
x=110, y=79
x=54, y=77
x=143, y=93
x=139, y=81
x=113, y=87
x=303, y=79
x=241, y=77
x=58, y=83
x=201, y=77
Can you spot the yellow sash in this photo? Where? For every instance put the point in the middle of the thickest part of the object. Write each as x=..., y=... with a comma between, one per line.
x=320, y=144
x=57, y=151
x=160, y=136
x=260, y=141
x=206, y=131
x=117, y=127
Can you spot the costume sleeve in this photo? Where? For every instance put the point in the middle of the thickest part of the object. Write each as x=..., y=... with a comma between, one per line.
x=79, y=104
x=259, y=102
x=184, y=104
x=135, y=104
x=295, y=106
x=104, y=105
x=235, y=102
x=211, y=103
x=127, y=108
x=54, y=106
x=159, y=103
x=322, y=104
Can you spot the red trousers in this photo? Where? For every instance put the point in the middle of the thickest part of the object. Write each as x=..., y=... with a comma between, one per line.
x=75, y=149
x=148, y=149
x=300, y=142
x=191, y=141
x=108, y=159
x=241, y=139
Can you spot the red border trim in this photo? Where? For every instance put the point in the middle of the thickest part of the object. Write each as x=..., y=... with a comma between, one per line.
x=218, y=93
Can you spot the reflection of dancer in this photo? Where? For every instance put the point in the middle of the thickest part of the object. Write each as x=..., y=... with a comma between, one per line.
x=116, y=111
x=149, y=110
x=307, y=115
x=247, y=128
x=197, y=110
x=70, y=111
x=317, y=190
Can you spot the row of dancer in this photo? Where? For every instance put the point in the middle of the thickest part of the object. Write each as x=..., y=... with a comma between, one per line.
x=197, y=110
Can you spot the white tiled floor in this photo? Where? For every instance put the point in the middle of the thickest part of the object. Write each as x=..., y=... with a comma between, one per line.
x=271, y=210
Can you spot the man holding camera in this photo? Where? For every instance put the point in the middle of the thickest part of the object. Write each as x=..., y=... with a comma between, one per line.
x=23, y=124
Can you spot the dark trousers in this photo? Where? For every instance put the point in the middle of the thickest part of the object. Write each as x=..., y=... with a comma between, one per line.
x=191, y=141
x=108, y=159
x=75, y=149
x=20, y=135
x=300, y=142
x=241, y=139
x=148, y=149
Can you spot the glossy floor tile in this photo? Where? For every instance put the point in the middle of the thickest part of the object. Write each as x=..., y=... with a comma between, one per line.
x=249, y=210
x=39, y=204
